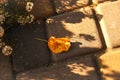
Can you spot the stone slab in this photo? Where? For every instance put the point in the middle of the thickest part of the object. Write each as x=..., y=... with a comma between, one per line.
x=29, y=52
x=110, y=65
x=79, y=26
x=42, y=8
x=5, y=67
x=77, y=69
x=66, y=5
x=110, y=22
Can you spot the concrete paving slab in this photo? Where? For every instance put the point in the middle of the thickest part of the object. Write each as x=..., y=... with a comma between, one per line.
x=5, y=68
x=110, y=65
x=77, y=69
x=29, y=52
x=80, y=27
x=101, y=1
x=110, y=21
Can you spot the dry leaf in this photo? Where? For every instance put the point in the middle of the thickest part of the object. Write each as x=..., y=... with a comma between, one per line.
x=58, y=45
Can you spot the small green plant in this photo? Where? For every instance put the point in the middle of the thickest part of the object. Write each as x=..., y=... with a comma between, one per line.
x=13, y=12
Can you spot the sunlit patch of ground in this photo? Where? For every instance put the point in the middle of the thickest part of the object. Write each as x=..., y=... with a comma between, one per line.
x=110, y=65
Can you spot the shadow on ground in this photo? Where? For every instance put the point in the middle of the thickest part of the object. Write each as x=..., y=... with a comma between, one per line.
x=79, y=69
x=110, y=74
x=70, y=20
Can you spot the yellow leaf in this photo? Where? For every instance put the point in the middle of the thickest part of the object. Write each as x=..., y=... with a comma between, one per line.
x=58, y=45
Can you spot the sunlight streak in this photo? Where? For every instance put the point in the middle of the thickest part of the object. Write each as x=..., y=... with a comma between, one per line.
x=80, y=69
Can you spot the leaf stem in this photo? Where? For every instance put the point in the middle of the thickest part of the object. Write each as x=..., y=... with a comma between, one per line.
x=41, y=39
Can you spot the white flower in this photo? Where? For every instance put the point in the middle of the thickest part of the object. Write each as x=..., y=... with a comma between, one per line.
x=29, y=6
x=25, y=19
x=7, y=50
x=22, y=20
x=31, y=18
x=2, y=19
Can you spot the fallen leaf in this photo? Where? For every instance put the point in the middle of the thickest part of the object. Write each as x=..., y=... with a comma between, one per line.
x=58, y=45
